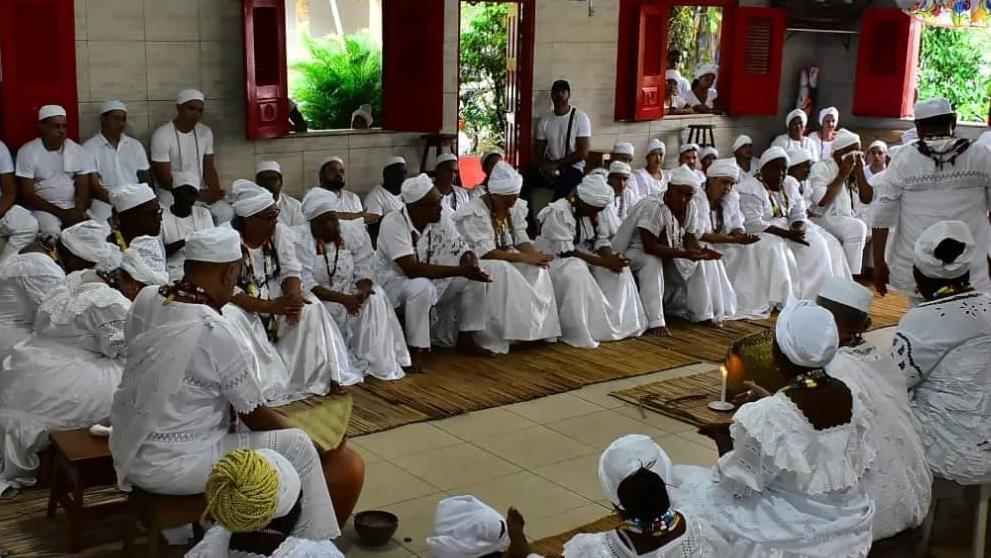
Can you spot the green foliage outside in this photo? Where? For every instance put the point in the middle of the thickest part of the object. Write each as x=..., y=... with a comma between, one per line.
x=956, y=64
x=342, y=73
x=695, y=31
x=483, y=73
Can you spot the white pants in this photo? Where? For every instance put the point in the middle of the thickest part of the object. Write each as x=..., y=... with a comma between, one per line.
x=704, y=295
x=852, y=235
x=376, y=345
x=595, y=304
x=519, y=306
x=650, y=277
x=420, y=295
x=20, y=228
x=764, y=274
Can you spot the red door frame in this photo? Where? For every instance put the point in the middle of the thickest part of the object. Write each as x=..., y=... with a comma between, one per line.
x=524, y=64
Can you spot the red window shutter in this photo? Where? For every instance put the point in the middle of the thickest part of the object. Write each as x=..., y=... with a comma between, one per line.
x=412, y=65
x=887, y=61
x=755, y=78
x=38, y=58
x=627, y=45
x=266, y=97
x=651, y=62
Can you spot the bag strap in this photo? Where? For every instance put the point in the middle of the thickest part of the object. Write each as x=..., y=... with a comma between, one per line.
x=567, y=135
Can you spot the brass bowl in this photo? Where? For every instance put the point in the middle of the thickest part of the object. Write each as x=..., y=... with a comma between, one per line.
x=375, y=527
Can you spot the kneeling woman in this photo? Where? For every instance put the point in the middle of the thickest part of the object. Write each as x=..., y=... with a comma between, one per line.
x=64, y=376
x=596, y=295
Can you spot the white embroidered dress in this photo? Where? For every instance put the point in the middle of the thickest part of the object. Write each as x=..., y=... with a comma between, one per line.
x=26, y=280
x=608, y=544
x=217, y=541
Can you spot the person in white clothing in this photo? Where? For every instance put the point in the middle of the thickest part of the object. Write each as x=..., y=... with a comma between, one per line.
x=331, y=178
x=26, y=280
x=596, y=294
x=338, y=267
x=54, y=174
x=796, y=121
x=171, y=415
x=426, y=267
x=674, y=103
x=180, y=220
x=899, y=481
x=682, y=85
x=622, y=151
x=625, y=197
x=445, y=176
x=384, y=198
x=835, y=180
x=563, y=141
x=688, y=156
x=120, y=159
x=935, y=178
x=651, y=179
x=136, y=213
x=268, y=175
x=743, y=152
x=876, y=164
x=702, y=98
x=707, y=156
x=465, y=527
x=185, y=145
x=943, y=348
x=829, y=121
x=799, y=170
x=17, y=225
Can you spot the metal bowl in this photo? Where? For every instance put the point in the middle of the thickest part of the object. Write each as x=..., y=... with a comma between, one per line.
x=374, y=527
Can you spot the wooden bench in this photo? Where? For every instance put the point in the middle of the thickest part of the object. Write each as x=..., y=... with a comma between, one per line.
x=158, y=512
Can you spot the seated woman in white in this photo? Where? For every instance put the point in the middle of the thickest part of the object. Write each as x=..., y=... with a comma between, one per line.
x=799, y=171
x=796, y=121
x=651, y=179
x=829, y=122
x=763, y=273
x=595, y=291
x=520, y=299
x=181, y=219
x=702, y=97
x=743, y=154
x=338, y=265
x=265, y=481
x=63, y=377
x=465, y=527
x=789, y=481
x=26, y=280
x=943, y=346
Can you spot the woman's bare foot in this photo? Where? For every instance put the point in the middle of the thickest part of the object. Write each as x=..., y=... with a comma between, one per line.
x=715, y=324
x=468, y=345
x=415, y=361
x=661, y=331
x=518, y=545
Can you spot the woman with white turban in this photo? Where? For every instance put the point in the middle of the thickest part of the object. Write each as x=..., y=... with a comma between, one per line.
x=466, y=527
x=338, y=265
x=701, y=98
x=272, y=301
x=64, y=375
x=800, y=165
x=651, y=179
x=26, y=280
x=829, y=122
x=796, y=121
x=944, y=348
x=743, y=153
x=788, y=483
x=520, y=300
x=596, y=294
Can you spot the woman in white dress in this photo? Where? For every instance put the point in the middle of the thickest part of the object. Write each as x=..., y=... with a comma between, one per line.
x=829, y=122
x=651, y=179
x=26, y=280
x=180, y=220
x=596, y=294
x=789, y=485
x=337, y=267
x=743, y=153
x=795, y=138
x=799, y=170
x=521, y=304
x=702, y=97
x=64, y=375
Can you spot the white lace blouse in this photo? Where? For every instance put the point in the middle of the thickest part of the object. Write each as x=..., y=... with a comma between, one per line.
x=475, y=224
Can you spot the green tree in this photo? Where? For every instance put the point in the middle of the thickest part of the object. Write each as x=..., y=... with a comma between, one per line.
x=483, y=74
x=342, y=74
x=956, y=64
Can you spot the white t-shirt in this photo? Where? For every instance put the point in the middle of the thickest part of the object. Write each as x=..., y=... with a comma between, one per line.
x=552, y=129
x=54, y=172
x=185, y=151
x=290, y=211
x=6, y=161
x=118, y=165
x=381, y=201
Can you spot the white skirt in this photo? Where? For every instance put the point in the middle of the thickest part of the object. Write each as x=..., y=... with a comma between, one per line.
x=519, y=306
x=595, y=304
x=375, y=340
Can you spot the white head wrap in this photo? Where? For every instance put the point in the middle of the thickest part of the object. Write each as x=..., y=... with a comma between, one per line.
x=725, y=168
x=364, y=111
x=619, y=167
x=684, y=176
x=707, y=151
x=88, y=240
x=444, y=158
x=797, y=156
x=705, y=69
x=845, y=138
x=318, y=201
x=626, y=456
x=187, y=95
x=394, y=160
x=289, y=481
x=464, y=527
x=688, y=147
x=129, y=196
x=623, y=148
x=740, y=141
x=264, y=166
x=49, y=111
x=187, y=179
x=932, y=107
x=797, y=113
x=878, y=144
x=829, y=111
x=594, y=191
x=214, y=245
x=672, y=74
x=771, y=154
x=504, y=180
x=654, y=144
x=415, y=187
x=806, y=334
x=848, y=293
x=933, y=267
x=144, y=261
x=250, y=198
x=331, y=159
x=112, y=104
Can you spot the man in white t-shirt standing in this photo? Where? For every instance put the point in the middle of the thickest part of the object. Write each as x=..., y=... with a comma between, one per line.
x=16, y=223
x=184, y=146
x=120, y=159
x=563, y=137
x=54, y=174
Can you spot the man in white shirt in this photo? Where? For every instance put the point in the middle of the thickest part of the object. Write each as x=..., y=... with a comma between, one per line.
x=268, y=175
x=674, y=60
x=384, y=198
x=445, y=175
x=54, y=174
x=120, y=159
x=331, y=178
x=185, y=146
x=563, y=139
x=16, y=223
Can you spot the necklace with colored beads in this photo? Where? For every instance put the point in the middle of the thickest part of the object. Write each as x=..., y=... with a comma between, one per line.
x=808, y=380
x=952, y=290
x=184, y=291
x=656, y=527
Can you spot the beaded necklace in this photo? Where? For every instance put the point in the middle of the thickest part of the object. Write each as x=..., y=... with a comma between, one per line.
x=249, y=282
x=119, y=239
x=184, y=291
x=940, y=158
x=808, y=380
x=322, y=250
x=952, y=290
x=414, y=235
x=656, y=527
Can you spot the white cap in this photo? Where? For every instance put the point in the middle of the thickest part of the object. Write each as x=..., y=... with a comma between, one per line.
x=504, y=180
x=214, y=245
x=186, y=179
x=129, y=196
x=704, y=69
x=654, y=144
x=289, y=481
x=49, y=111
x=444, y=158
x=827, y=112
x=250, y=198
x=848, y=293
x=88, y=240
x=797, y=113
x=619, y=167
x=594, y=191
x=925, y=247
x=395, y=160
x=265, y=166
x=331, y=159
x=688, y=147
x=465, y=527
x=187, y=95
x=318, y=201
x=708, y=151
x=740, y=141
x=931, y=108
x=797, y=156
x=845, y=138
x=416, y=187
x=684, y=176
x=627, y=455
x=112, y=104
x=878, y=144
x=771, y=154
x=806, y=334
x=724, y=168
x=144, y=261
x=623, y=148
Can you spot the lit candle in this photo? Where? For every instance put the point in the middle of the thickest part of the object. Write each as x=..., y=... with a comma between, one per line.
x=722, y=392
x=722, y=405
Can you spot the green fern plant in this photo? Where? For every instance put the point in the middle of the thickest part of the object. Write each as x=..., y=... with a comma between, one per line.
x=342, y=74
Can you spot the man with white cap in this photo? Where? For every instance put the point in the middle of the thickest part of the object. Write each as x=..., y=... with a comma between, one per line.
x=268, y=175
x=829, y=121
x=465, y=527
x=943, y=347
x=835, y=181
x=622, y=151
x=937, y=177
x=331, y=178
x=54, y=173
x=180, y=220
x=445, y=176
x=384, y=198
x=185, y=145
x=425, y=264
x=651, y=179
x=171, y=413
x=120, y=159
x=563, y=138
x=494, y=226
x=796, y=121
x=596, y=294
x=899, y=481
x=17, y=225
x=137, y=211
x=339, y=265
x=743, y=152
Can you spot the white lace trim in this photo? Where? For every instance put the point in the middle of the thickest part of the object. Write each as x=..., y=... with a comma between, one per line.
x=82, y=295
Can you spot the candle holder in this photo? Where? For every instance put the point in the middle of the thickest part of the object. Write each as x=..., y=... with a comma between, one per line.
x=722, y=405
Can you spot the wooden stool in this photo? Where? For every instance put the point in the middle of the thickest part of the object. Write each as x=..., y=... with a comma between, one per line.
x=943, y=489
x=701, y=134
x=157, y=513
x=79, y=461
x=438, y=142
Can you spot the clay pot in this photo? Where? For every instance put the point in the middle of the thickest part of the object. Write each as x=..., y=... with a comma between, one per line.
x=375, y=528
x=344, y=470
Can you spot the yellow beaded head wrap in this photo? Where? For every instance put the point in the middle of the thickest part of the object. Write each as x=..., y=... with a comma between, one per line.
x=242, y=492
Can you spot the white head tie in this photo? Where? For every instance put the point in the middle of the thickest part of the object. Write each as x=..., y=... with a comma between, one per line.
x=144, y=261
x=504, y=180
x=619, y=167
x=445, y=158
x=772, y=154
x=878, y=144
x=49, y=111
x=797, y=156
x=88, y=240
x=464, y=527
x=848, y=293
x=724, y=168
x=289, y=481
x=797, y=113
x=931, y=108
x=672, y=74
x=594, y=191
x=250, y=198
x=129, y=196
x=112, y=104
x=706, y=69
x=331, y=159
x=829, y=111
x=806, y=334
x=925, y=247
x=845, y=138
x=214, y=245
x=364, y=111
x=394, y=160
x=684, y=176
x=626, y=456
x=740, y=141
x=415, y=187
x=655, y=144
x=688, y=147
x=265, y=166
x=187, y=95
x=707, y=151
x=318, y=201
